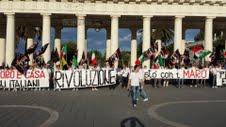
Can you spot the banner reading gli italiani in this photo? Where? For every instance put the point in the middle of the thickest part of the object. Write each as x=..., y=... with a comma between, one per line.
x=82, y=78
x=177, y=74
x=33, y=78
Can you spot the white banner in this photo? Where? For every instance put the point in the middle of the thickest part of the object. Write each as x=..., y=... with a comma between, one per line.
x=33, y=79
x=176, y=74
x=221, y=77
x=81, y=78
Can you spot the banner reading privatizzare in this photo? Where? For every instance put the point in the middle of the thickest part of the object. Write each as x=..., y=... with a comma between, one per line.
x=33, y=79
x=177, y=74
x=221, y=77
x=82, y=78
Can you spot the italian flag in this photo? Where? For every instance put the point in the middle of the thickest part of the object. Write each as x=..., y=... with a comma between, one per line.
x=140, y=60
x=93, y=59
x=202, y=54
x=224, y=54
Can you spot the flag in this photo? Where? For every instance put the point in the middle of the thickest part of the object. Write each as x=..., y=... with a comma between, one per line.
x=225, y=54
x=116, y=56
x=83, y=59
x=197, y=48
x=203, y=54
x=74, y=61
x=43, y=49
x=31, y=49
x=63, y=62
x=55, y=56
x=161, y=61
x=93, y=59
x=21, y=63
x=64, y=49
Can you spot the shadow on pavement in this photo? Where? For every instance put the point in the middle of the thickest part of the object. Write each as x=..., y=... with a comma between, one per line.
x=131, y=122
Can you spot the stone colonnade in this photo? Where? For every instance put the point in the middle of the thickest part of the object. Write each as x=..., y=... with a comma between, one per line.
x=112, y=44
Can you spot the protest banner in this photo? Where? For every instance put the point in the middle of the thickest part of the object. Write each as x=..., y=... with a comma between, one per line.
x=83, y=78
x=176, y=74
x=221, y=78
x=37, y=78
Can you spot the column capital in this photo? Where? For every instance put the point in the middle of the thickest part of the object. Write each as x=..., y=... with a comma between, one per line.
x=115, y=16
x=45, y=14
x=210, y=17
x=148, y=16
x=179, y=16
x=81, y=16
x=9, y=13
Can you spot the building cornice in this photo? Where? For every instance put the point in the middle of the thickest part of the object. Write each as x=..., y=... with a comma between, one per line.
x=80, y=8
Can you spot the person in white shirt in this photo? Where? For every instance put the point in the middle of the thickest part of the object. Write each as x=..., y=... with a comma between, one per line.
x=135, y=79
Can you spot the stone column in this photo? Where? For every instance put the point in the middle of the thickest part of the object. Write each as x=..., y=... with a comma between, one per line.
x=30, y=42
x=224, y=37
x=80, y=35
x=133, y=47
x=114, y=34
x=209, y=33
x=57, y=41
x=86, y=42
x=2, y=45
x=108, y=43
x=177, y=32
x=10, y=38
x=46, y=26
x=146, y=37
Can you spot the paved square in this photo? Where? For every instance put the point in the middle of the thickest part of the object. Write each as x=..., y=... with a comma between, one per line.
x=112, y=108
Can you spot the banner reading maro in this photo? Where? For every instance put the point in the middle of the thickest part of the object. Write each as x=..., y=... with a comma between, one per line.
x=82, y=78
x=33, y=79
x=177, y=74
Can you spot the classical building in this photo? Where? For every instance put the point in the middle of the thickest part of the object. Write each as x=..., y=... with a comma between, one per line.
x=208, y=15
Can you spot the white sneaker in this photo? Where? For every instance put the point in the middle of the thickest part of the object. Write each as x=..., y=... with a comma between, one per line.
x=146, y=99
x=134, y=105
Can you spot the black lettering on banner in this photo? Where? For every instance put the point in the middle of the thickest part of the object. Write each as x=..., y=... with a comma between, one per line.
x=147, y=74
x=93, y=78
x=154, y=74
x=75, y=74
x=36, y=83
x=80, y=78
x=112, y=77
x=69, y=80
x=2, y=83
x=106, y=76
x=58, y=76
x=223, y=81
x=101, y=77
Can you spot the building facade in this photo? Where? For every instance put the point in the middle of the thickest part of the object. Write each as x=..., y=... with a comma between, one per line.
x=111, y=15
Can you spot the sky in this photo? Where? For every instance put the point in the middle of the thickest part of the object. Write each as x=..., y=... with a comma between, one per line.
x=97, y=40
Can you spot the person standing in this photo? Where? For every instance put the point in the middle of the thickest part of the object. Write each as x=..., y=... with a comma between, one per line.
x=125, y=75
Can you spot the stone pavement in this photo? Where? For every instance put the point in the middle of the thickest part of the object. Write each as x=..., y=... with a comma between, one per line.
x=112, y=108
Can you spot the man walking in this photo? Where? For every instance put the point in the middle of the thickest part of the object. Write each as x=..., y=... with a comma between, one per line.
x=135, y=79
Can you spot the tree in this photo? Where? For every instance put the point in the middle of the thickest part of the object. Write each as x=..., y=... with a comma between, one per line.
x=125, y=58
x=71, y=48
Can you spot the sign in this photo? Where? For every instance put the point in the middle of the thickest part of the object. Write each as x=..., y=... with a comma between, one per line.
x=82, y=78
x=221, y=77
x=37, y=78
x=176, y=74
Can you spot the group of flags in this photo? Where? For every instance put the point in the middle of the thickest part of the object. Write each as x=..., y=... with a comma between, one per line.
x=21, y=62
x=165, y=58
x=62, y=58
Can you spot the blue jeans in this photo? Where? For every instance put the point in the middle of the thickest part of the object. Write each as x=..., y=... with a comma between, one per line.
x=142, y=93
x=135, y=94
